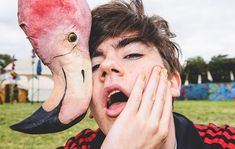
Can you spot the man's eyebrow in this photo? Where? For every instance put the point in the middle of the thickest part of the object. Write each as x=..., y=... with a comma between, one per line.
x=96, y=54
x=124, y=42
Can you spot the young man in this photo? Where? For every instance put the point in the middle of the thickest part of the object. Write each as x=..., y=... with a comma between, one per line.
x=135, y=78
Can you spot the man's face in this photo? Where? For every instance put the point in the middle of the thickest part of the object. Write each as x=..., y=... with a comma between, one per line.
x=116, y=64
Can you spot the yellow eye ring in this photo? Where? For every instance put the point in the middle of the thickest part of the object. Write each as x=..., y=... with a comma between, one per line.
x=72, y=37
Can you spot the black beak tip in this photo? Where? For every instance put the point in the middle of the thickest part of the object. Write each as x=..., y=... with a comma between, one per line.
x=18, y=127
x=14, y=127
x=42, y=122
x=21, y=127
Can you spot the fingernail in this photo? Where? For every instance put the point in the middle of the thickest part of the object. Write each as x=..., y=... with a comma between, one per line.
x=164, y=72
x=142, y=76
x=158, y=69
x=169, y=83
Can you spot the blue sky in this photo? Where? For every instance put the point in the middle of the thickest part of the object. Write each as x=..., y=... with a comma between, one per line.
x=203, y=27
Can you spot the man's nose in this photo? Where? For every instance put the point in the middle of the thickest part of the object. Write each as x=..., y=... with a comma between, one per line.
x=110, y=67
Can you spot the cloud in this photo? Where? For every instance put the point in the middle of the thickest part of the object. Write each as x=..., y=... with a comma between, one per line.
x=203, y=27
x=8, y=12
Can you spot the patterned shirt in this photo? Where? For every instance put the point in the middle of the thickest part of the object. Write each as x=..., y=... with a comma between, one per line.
x=188, y=136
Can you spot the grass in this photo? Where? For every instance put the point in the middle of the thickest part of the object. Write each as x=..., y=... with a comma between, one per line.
x=12, y=113
x=203, y=112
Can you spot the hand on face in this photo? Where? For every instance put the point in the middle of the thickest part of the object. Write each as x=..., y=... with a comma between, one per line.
x=147, y=117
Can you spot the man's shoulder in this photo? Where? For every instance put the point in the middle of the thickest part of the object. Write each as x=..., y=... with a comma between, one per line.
x=223, y=136
x=186, y=134
x=87, y=133
x=211, y=135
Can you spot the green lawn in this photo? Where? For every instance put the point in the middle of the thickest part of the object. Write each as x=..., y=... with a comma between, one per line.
x=12, y=113
x=204, y=112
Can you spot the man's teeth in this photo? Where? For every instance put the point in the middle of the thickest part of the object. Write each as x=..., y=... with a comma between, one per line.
x=113, y=92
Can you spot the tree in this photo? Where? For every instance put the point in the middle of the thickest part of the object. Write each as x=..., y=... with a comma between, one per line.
x=193, y=67
x=5, y=59
x=220, y=67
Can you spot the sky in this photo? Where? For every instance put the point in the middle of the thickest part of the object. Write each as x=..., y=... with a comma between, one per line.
x=204, y=28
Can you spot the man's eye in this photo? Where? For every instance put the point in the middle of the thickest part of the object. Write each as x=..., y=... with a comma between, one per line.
x=133, y=56
x=95, y=67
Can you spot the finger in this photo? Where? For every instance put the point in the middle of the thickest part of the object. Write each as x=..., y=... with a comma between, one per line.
x=167, y=111
x=150, y=92
x=159, y=103
x=135, y=98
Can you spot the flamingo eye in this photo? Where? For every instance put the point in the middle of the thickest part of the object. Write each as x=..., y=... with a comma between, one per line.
x=72, y=37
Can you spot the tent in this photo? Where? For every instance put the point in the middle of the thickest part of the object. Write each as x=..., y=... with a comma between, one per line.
x=39, y=88
x=28, y=80
x=25, y=67
x=21, y=81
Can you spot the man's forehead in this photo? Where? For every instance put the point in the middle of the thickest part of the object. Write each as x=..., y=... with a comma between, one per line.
x=117, y=43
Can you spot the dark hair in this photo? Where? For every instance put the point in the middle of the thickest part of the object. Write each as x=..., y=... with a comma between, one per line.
x=118, y=17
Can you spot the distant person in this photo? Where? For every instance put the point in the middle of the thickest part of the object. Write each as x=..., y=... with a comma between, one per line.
x=135, y=79
x=1, y=101
x=15, y=93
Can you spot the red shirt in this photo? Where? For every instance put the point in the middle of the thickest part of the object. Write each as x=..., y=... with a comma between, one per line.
x=188, y=136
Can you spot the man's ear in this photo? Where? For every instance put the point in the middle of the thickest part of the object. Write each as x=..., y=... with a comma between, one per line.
x=175, y=84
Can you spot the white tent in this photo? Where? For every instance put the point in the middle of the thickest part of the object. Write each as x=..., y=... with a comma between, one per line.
x=25, y=67
x=40, y=88
x=21, y=81
x=231, y=76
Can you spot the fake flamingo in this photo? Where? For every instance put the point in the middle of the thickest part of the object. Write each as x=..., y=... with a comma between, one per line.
x=58, y=31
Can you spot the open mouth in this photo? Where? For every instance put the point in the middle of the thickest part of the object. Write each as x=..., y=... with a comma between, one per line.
x=116, y=97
